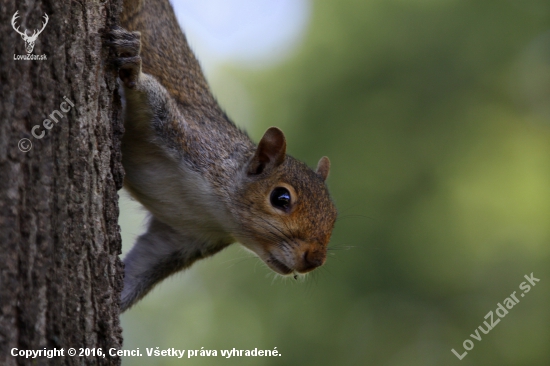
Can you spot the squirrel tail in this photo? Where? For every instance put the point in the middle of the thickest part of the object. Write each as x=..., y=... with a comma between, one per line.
x=131, y=9
x=164, y=49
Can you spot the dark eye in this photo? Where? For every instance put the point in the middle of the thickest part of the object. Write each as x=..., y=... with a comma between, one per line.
x=280, y=198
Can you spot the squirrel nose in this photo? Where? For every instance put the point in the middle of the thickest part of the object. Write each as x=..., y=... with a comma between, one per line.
x=312, y=259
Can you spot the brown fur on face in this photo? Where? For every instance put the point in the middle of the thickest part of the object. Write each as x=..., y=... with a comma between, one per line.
x=298, y=238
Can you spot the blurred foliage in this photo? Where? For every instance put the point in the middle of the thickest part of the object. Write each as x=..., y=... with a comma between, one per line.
x=436, y=117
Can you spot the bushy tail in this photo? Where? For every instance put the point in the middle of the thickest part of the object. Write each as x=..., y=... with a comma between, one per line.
x=165, y=52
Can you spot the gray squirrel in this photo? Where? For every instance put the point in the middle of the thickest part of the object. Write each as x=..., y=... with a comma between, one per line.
x=204, y=182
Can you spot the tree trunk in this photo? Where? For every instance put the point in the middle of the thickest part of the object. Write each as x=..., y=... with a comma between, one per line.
x=60, y=275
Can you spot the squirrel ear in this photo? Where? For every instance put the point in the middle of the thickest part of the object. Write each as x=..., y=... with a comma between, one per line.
x=323, y=168
x=271, y=151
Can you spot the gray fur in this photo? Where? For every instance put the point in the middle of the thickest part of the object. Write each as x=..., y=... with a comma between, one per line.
x=205, y=183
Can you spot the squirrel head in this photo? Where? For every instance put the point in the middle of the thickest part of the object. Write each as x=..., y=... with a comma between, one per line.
x=284, y=211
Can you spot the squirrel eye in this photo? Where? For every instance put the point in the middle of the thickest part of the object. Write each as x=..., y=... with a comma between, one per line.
x=280, y=198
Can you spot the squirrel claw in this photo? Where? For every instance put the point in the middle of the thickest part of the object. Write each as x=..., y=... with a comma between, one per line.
x=129, y=70
x=127, y=46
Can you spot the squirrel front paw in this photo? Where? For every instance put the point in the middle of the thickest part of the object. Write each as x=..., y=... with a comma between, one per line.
x=127, y=46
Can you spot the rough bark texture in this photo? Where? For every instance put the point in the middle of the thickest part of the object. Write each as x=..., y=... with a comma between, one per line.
x=60, y=275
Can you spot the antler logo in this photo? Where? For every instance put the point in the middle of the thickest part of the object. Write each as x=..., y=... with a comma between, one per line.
x=29, y=40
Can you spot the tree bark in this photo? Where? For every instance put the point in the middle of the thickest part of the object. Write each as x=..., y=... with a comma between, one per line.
x=60, y=275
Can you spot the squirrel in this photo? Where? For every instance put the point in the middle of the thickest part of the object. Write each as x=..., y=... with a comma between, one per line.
x=204, y=182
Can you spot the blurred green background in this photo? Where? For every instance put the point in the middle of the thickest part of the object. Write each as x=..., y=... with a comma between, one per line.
x=436, y=117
